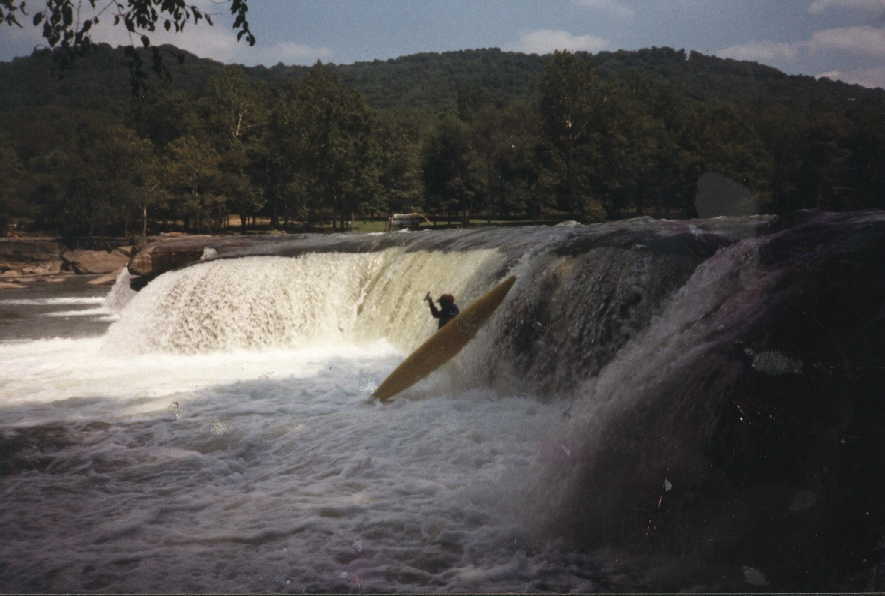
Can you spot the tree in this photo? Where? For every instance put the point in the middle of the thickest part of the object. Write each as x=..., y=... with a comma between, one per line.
x=165, y=114
x=867, y=146
x=94, y=183
x=505, y=140
x=193, y=175
x=273, y=168
x=396, y=144
x=825, y=162
x=68, y=24
x=330, y=141
x=12, y=173
x=233, y=114
x=452, y=178
x=570, y=96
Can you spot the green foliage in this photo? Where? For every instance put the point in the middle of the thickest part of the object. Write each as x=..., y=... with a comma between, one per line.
x=396, y=149
x=471, y=134
x=331, y=142
x=67, y=25
x=452, y=177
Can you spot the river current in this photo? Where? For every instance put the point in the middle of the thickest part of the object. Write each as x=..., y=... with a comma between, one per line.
x=230, y=464
x=655, y=405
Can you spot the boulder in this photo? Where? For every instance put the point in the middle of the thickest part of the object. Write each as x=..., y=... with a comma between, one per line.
x=96, y=261
x=30, y=257
x=167, y=253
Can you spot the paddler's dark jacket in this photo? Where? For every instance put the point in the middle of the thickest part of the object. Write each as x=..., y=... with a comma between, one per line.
x=445, y=313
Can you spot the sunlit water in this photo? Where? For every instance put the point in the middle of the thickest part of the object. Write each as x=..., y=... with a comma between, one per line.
x=131, y=467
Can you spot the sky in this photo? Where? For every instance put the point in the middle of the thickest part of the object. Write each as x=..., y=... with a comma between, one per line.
x=840, y=39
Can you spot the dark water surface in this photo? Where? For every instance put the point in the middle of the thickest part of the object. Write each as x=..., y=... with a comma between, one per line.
x=54, y=306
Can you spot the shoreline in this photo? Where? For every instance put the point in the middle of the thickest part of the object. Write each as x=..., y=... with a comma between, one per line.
x=25, y=261
x=27, y=281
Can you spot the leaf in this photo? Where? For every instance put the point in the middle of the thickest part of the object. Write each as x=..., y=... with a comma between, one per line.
x=38, y=18
x=167, y=24
x=145, y=41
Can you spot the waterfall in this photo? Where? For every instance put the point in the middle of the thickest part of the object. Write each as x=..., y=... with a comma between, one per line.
x=582, y=292
x=661, y=405
x=316, y=299
x=121, y=292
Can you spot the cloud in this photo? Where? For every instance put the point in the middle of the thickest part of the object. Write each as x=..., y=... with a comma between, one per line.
x=203, y=40
x=867, y=77
x=545, y=41
x=614, y=7
x=218, y=42
x=869, y=41
x=762, y=51
x=860, y=41
x=820, y=6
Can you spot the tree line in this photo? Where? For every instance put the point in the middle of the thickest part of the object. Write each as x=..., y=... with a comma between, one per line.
x=590, y=137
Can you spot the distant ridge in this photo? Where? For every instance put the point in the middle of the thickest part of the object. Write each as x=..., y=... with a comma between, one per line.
x=429, y=81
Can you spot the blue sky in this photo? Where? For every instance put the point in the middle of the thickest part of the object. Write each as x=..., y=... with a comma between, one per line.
x=842, y=39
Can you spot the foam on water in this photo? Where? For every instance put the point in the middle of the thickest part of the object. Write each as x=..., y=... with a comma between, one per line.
x=316, y=299
x=170, y=455
x=101, y=312
x=266, y=471
x=121, y=292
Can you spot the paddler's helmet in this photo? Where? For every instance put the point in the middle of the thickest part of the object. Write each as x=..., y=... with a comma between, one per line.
x=447, y=299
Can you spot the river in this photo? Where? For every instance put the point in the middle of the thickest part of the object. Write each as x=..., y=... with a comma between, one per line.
x=656, y=405
x=262, y=468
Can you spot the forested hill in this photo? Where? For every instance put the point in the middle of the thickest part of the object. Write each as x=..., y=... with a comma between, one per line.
x=434, y=80
x=100, y=80
x=428, y=81
x=467, y=134
x=421, y=81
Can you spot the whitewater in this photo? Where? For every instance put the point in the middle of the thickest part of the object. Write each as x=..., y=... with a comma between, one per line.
x=219, y=437
x=656, y=405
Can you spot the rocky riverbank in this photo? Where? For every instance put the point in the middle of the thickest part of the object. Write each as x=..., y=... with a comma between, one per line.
x=28, y=260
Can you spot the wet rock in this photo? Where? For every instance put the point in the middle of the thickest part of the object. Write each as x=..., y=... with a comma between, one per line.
x=96, y=261
x=29, y=257
x=803, y=500
x=167, y=253
x=773, y=362
x=754, y=577
x=772, y=451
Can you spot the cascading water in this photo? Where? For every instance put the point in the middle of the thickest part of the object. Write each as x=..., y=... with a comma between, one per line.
x=218, y=436
x=121, y=292
x=317, y=299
